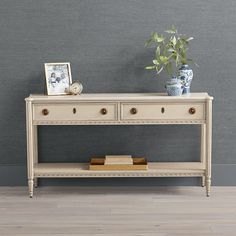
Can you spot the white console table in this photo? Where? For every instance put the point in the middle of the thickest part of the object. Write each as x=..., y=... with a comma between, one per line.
x=119, y=109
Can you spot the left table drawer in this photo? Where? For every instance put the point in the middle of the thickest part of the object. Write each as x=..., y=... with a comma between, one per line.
x=80, y=112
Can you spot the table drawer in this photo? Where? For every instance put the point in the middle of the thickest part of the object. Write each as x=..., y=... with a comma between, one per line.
x=83, y=111
x=157, y=111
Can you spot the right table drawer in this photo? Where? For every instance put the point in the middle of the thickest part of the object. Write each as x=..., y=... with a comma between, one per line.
x=158, y=111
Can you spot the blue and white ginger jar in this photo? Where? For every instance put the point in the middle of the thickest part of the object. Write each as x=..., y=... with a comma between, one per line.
x=174, y=87
x=186, y=76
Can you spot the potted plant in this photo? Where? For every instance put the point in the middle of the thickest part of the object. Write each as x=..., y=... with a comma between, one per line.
x=171, y=55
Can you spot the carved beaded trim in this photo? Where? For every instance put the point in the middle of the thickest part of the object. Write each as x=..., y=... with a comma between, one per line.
x=196, y=174
x=70, y=122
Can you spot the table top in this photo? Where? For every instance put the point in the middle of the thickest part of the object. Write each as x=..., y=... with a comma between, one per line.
x=118, y=97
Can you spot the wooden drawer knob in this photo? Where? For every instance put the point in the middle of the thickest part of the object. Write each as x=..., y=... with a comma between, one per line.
x=192, y=110
x=45, y=112
x=74, y=110
x=133, y=111
x=103, y=111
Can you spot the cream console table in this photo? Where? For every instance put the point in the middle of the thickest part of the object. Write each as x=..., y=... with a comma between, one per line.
x=119, y=109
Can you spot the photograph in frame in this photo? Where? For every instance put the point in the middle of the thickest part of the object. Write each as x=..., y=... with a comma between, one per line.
x=58, y=77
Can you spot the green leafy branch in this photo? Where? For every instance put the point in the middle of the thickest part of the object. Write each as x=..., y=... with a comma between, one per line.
x=170, y=50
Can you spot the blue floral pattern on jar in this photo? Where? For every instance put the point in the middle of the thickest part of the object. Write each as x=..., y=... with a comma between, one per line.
x=174, y=87
x=186, y=76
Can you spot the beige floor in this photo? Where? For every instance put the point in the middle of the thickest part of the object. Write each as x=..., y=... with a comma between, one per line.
x=157, y=211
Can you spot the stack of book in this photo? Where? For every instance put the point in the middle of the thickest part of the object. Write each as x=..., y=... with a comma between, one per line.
x=118, y=162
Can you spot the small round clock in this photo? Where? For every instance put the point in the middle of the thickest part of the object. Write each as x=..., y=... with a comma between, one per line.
x=75, y=88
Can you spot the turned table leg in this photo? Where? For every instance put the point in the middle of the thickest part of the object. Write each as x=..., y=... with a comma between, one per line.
x=35, y=147
x=203, y=152
x=208, y=145
x=30, y=147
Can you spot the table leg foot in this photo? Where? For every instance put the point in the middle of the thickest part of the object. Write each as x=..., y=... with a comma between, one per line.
x=35, y=182
x=203, y=181
x=208, y=186
x=31, y=187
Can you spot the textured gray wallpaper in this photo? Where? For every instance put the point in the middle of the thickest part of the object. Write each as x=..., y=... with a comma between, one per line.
x=104, y=41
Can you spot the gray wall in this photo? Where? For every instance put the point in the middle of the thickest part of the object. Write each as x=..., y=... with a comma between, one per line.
x=104, y=41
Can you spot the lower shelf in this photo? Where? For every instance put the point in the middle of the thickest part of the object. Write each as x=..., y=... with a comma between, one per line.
x=155, y=169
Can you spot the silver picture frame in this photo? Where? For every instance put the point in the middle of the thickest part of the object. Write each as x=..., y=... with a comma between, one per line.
x=58, y=77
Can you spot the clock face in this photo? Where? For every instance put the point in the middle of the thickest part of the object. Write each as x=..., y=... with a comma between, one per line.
x=76, y=88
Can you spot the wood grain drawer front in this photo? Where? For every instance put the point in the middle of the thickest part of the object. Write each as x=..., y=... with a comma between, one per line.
x=154, y=111
x=92, y=111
